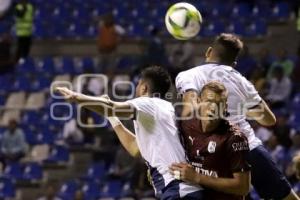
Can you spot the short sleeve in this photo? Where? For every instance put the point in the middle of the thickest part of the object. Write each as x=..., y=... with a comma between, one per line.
x=184, y=82
x=238, y=148
x=251, y=94
x=143, y=104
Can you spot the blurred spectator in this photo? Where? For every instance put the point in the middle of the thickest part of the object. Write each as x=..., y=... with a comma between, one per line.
x=124, y=165
x=259, y=81
x=261, y=132
x=277, y=152
x=283, y=61
x=71, y=133
x=246, y=62
x=50, y=193
x=108, y=40
x=13, y=145
x=296, y=72
x=24, y=13
x=181, y=58
x=280, y=88
x=155, y=52
x=282, y=129
x=4, y=6
x=79, y=195
x=6, y=57
x=265, y=59
x=296, y=169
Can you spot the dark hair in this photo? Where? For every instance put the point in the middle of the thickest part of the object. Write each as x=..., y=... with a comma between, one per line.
x=227, y=47
x=159, y=80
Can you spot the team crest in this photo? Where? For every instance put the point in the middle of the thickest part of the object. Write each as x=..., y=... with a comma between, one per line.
x=211, y=148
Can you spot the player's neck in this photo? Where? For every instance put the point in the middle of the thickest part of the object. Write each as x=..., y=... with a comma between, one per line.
x=208, y=126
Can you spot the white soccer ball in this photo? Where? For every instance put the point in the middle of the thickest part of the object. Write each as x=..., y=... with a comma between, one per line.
x=183, y=21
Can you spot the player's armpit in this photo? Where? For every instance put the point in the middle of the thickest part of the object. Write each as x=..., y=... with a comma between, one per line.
x=262, y=114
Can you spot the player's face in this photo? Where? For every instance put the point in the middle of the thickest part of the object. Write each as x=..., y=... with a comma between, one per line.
x=211, y=107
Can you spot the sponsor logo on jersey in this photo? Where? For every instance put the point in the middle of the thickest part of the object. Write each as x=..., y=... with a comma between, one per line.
x=211, y=148
x=191, y=139
x=240, y=146
x=207, y=172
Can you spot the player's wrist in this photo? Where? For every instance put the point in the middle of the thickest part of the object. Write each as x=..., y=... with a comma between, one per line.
x=114, y=121
x=198, y=179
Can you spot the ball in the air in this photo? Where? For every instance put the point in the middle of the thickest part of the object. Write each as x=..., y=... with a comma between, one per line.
x=183, y=21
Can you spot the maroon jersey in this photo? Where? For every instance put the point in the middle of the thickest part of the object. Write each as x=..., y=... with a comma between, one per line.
x=219, y=153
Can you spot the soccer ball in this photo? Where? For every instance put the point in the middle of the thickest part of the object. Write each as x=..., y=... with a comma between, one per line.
x=183, y=21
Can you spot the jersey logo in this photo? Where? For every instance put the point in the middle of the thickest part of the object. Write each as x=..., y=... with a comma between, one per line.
x=192, y=139
x=211, y=148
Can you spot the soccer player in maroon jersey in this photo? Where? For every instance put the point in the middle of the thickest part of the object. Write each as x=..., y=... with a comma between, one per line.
x=215, y=149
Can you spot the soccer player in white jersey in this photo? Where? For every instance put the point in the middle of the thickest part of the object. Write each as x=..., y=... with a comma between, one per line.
x=156, y=134
x=243, y=98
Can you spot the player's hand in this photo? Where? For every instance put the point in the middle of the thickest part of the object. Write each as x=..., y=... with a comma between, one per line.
x=68, y=94
x=186, y=172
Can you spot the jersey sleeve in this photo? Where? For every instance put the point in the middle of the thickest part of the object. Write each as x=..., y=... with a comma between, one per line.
x=142, y=105
x=238, y=148
x=252, y=97
x=184, y=82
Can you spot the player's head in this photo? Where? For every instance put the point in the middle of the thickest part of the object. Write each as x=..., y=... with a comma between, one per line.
x=154, y=81
x=225, y=49
x=213, y=102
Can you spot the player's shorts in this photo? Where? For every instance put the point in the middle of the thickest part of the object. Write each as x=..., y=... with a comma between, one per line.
x=171, y=192
x=268, y=181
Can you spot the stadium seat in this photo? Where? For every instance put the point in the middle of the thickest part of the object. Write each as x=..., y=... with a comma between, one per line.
x=7, y=189
x=30, y=117
x=30, y=136
x=112, y=188
x=237, y=27
x=256, y=28
x=281, y=11
x=96, y=171
x=65, y=78
x=296, y=102
x=22, y=83
x=32, y=172
x=13, y=171
x=91, y=190
x=68, y=190
x=58, y=154
x=211, y=29
x=35, y=101
x=41, y=82
x=27, y=66
x=8, y=115
x=261, y=11
x=15, y=100
x=39, y=153
x=241, y=10
x=46, y=137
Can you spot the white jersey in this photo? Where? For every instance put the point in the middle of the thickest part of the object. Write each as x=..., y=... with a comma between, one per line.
x=241, y=93
x=158, y=140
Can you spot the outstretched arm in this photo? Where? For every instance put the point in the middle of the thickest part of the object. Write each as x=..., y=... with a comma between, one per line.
x=262, y=114
x=100, y=105
x=126, y=137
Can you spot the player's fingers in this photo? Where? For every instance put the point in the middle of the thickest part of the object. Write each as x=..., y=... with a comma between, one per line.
x=177, y=165
x=174, y=168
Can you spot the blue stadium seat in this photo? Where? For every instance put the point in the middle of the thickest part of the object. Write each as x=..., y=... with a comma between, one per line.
x=112, y=188
x=40, y=83
x=46, y=137
x=281, y=11
x=212, y=29
x=126, y=63
x=28, y=66
x=6, y=83
x=241, y=10
x=46, y=65
x=237, y=27
x=30, y=117
x=91, y=190
x=68, y=190
x=30, y=135
x=22, y=83
x=296, y=102
x=87, y=64
x=256, y=28
x=13, y=171
x=59, y=154
x=96, y=171
x=7, y=188
x=262, y=11
x=32, y=172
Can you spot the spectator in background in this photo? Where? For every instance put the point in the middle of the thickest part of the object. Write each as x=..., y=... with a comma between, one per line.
x=181, y=58
x=50, y=193
x=259, y=81
x=246, y=63
x=283, y=61
x=265, y=59
x=277, y=152
x=108, y=40
x=296, y=71
x=71, y=133
x=13, y=145
x=24, y=13
x=282, y=129
x=4, y=7
x=280, y=88
x=6, y=57
x=155, y=52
